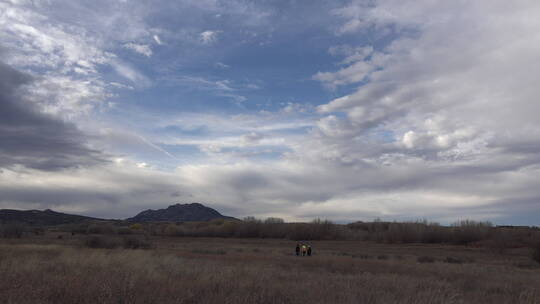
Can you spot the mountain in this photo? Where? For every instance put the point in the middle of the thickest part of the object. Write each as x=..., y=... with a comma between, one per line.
x=41, y=218
x=194, y=212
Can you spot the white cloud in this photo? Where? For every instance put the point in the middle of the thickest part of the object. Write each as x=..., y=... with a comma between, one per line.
x=129, y=72
x=292, y=107
x=67, y=97
x=219, y=87
x=446, y=92
x=37, y=42
x=221, y=65
x=157, y=39
x=209, y=37
x=142, y=49
x=65, y=56
x=357, y=72
x=352, y=54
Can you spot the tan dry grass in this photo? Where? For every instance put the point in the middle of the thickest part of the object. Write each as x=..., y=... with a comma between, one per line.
x=261, y=271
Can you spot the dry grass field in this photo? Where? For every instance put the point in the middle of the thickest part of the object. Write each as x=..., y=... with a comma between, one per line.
x=46, y=269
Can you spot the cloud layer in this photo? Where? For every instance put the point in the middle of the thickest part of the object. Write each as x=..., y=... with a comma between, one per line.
x=432, y=115
x=36, y=140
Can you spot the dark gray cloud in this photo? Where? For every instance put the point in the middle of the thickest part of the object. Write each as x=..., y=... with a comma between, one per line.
x=33, y=139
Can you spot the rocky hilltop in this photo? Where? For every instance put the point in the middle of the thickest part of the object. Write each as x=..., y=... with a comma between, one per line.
x=193, y=212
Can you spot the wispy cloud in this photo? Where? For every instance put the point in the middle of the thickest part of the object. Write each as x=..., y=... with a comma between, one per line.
x=221, y=65
x=219, y=87
x=157, y=39
x=209, y=37
x=142, y=49
x=129, y=72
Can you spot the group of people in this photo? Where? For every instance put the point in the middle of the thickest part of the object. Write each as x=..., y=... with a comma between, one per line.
x=303, y=249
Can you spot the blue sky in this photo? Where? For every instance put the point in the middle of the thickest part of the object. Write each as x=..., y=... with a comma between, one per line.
x=347, y=110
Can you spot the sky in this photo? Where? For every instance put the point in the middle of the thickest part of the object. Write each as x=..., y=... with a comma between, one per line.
x=341, y=110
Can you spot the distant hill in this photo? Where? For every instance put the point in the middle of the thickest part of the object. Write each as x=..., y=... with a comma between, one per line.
x=41, y=218
x=194, y=212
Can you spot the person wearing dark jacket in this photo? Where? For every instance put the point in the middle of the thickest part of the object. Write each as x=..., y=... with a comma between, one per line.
x=297, y=249
x=308, y=250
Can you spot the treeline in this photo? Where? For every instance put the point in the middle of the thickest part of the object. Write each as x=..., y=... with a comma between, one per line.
x=248, y=228
x=254, y=228
x=461, y=233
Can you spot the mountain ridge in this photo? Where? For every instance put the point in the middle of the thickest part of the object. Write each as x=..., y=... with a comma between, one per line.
x=191, y=212
x=46, y=217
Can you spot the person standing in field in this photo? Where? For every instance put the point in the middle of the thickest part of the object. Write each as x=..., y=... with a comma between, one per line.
x=297, y=249
x=304, y=250
x=308, y=250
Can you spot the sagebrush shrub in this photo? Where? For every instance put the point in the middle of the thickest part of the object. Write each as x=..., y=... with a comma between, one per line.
x=425, y=259
x=101, y=242
x=14, y=230
x=100, y=228
x=133, y=242
x=453, y=260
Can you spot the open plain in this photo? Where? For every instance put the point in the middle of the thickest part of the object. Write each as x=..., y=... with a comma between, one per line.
x=50, y=269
